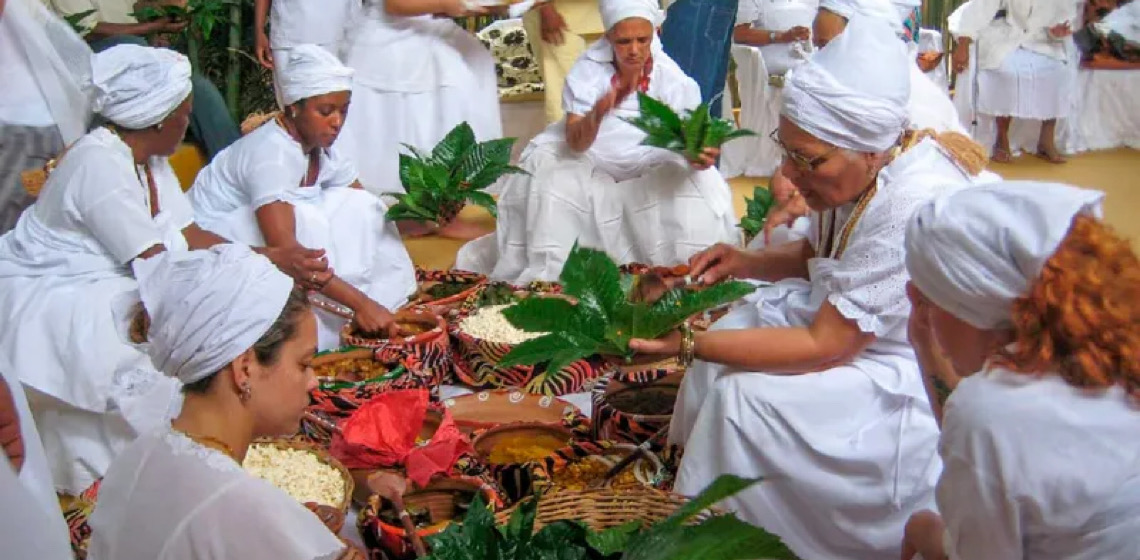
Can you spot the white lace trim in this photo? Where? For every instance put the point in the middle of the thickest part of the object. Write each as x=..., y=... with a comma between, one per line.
x=181, y=445
x=134, y=382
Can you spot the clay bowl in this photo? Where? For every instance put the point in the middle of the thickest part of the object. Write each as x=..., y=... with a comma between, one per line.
x=439, y=499
x=489, y=409
x=632, y=413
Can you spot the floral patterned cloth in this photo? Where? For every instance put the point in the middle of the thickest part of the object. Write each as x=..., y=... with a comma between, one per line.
x=515, y=63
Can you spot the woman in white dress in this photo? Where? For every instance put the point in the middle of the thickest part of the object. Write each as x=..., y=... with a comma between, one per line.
x=112, y=198
x=811, y=381
x=590, y=181
x=1023, y=51
x=293, y=23
x=1022, y=290
x=239, y=337
x=418, y=75
x=929, y=106
x=286, y=185
x=770, y=38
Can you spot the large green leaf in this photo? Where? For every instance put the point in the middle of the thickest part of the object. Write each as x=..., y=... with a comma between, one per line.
x=695, y=125
x=615, y=539
x=480, y=198
x=561, y=540
x=756, y=211
x=454, y=146
x=679, y=304
x=719, y=538
x=476, y=538
x=725, y=486
x=542, y=314
x=484, y=163
x=687, y=135
x=558, y=350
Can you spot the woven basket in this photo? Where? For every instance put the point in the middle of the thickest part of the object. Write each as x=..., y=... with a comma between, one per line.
x=614, y=424
x=437, y=498
x=428, y=278
x=322, y=456
x=477, y=365
x=605, y=508
x=427, y=355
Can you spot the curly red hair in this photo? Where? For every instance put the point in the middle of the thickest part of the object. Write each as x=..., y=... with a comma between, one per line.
x=1081, y=318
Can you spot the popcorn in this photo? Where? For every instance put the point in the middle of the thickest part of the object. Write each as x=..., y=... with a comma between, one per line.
x=491, y=325
x=297, y=472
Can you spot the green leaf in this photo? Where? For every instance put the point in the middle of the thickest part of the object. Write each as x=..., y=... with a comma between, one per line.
x=76, y=21
x=561, y=540
x=724, y=487
x=484, y=163
x=593, y=278
x=519, y=529
x=677, y=305
x=453, y=146
x=729, y=538
x=480, y=198
x=558, y=350
x=542, y=314
x=615, y=539
x=476, y=538
x=659, y=114
x=695, y=131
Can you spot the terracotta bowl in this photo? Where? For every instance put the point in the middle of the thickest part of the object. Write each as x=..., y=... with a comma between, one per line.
x=439, y=499
x=489, y=409
x=630, y=413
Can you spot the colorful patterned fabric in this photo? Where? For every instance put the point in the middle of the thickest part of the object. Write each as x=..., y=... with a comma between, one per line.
x=611, y=424
x=76, y=511
x=913, y=25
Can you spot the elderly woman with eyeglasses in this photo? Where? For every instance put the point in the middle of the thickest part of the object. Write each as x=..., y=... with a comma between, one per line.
x=811, y=381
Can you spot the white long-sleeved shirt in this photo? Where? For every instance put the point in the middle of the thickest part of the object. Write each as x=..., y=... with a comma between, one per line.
x=1037, y=468
x=1025, y=25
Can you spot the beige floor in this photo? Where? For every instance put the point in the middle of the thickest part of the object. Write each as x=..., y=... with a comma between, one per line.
x=1115, y=172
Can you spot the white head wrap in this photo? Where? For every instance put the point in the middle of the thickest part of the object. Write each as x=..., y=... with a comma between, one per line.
x=879, y=9
x=974, y=251
x=136, y=87
x=309, y=71
x=208, y=307
x=614, y=11
x=843, y=98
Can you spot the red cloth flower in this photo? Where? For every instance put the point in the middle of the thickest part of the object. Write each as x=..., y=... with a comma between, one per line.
x=383, y=431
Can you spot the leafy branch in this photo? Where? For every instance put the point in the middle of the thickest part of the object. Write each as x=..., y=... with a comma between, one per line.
x=715, y=538
x=687, y=135
x=756, y=213
x=602, y=319
x=456, y=172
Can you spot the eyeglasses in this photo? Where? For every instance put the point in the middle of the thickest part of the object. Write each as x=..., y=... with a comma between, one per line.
x=803, y=163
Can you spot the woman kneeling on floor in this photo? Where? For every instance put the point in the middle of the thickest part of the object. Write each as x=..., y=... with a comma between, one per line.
x=285, y=185
x=811, y=381
x=240, y=337
x=591, y=181
x=1023, y=284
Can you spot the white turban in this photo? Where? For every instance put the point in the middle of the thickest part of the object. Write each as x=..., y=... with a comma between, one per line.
x=208, y=307
x=614, y=11
x=854, y=92
x=974, y=251
x=1124, y=20
x=136, y=87
x=309, y=71
x=879, y=9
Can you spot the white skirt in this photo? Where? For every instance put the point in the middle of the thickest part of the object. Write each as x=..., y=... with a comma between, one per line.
x=380, y=122
x=662, y=217
x=363, y=248
x=1028, y=85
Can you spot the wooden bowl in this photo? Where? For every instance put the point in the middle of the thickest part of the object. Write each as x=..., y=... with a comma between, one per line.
x=438, y=498
x=426, y=352
x=488, y=409
x=517, y=479
x=630, y=413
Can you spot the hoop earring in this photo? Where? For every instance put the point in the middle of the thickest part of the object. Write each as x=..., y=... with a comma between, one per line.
x=246, y=392
x=158, y=127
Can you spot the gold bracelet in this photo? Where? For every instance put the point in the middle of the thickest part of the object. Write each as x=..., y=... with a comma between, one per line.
x=688, y=348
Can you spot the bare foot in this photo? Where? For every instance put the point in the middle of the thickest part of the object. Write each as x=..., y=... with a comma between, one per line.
x=1001, y=155
x=1050, y=154
x=462, y=230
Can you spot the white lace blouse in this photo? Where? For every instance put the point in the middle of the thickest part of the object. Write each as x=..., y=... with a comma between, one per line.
x=168, y=498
